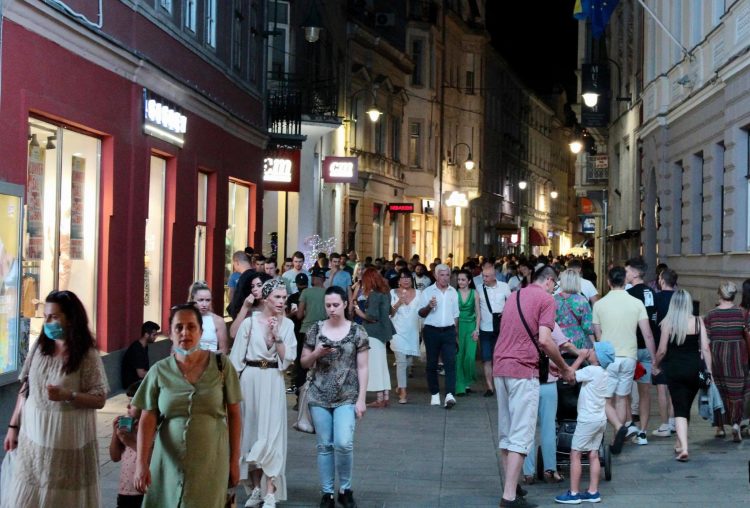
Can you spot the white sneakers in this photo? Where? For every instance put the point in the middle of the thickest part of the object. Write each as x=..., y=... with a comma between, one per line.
x=269, y=501
x=663, y=431
x=449, y=401
x=435, y=400
x=255, y=498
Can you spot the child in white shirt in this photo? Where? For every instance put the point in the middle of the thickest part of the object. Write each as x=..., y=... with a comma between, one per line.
x=590, y=424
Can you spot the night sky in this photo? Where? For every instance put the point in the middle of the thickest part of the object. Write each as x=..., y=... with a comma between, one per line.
x=520, y=27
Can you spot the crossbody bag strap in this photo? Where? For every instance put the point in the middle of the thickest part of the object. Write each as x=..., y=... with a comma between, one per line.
x=525, y=324
x=486, y=297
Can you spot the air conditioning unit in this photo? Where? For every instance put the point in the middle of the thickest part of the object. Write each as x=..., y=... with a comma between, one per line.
x=385, y=19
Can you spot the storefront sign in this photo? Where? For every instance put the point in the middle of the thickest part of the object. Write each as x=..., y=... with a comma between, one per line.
x=35, y=203
x=588, y=225
x=163, y=120
x=401, y=207
x=428, y=206
x=77, y=186
x=340, y=169
x=281, y=171
x=457, y=199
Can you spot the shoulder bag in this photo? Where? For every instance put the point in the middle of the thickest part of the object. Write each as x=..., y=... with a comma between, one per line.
x=704, y=376
x=543, y=358
x=495, y=315
x=304, y=421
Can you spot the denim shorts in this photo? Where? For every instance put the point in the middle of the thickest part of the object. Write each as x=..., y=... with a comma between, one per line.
x=487, y=342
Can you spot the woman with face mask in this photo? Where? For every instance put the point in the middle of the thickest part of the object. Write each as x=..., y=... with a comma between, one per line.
x=193, y=395
x=214, y=337
x=264, y=349
x=53, y=426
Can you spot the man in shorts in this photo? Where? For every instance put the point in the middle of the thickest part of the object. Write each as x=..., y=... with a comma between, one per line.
x=616, y=318
x=527, y=324
x=492, y=296
x=590, y=424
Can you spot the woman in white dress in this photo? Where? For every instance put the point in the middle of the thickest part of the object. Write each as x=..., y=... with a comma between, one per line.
x=53, y=426
x=405, y=343
x=264, y=348
x=214, y=336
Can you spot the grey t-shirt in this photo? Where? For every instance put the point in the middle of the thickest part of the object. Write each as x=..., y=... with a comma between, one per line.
x=335, y=380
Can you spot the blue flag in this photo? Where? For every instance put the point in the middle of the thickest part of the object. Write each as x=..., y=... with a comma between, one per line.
x=598, y=11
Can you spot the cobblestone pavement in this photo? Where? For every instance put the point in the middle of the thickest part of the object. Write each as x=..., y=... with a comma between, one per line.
x=417, y=455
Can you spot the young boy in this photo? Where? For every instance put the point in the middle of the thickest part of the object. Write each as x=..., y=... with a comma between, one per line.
x=123, y=447
x=590, y=424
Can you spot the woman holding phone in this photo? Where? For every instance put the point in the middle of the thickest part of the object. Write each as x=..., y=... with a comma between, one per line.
x=264, y=348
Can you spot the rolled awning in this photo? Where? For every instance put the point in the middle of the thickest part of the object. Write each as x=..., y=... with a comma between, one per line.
x=536, y=237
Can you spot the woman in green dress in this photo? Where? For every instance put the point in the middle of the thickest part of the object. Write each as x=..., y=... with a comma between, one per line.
x=468, y=332
x=190, y=403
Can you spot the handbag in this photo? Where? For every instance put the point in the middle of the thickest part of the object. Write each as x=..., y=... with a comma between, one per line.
x=704, y=376
x=543, y=358
x=495, y=315
x=639, y=371
x=304, y=421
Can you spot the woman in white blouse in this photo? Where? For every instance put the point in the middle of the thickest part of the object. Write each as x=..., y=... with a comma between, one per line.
x=405, y=342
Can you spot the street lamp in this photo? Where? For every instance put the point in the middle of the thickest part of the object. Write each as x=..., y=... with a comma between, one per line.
x=313, y=25
x=373, y=112
x=522, y=184
x=469, y=163
x=553, y=194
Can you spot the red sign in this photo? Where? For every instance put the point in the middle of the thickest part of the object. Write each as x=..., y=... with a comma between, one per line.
x=340, y=169
x=401, y=207
x=281, y=170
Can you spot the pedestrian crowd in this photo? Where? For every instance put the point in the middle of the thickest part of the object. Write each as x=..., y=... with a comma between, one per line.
x=217, y=406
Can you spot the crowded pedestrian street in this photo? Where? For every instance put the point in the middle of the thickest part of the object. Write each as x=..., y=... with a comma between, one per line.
x=419, y=456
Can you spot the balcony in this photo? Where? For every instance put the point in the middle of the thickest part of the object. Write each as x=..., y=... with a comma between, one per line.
x=292, y=99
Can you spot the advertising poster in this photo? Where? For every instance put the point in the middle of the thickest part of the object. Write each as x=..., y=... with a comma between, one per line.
x=77, y=186
x=35, y=203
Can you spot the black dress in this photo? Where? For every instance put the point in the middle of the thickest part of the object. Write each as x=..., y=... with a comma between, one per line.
x=681, y=365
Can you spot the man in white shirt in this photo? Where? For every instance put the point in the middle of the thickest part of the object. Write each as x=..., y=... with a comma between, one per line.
x=438, y=306
x=495, y=293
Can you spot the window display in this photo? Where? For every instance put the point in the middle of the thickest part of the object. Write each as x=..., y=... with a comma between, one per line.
x=10, y=280
x=61, y=221
x=237, y=228
x=153, y=257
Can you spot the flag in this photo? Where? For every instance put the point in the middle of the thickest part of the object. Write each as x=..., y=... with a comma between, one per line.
x=597, y=11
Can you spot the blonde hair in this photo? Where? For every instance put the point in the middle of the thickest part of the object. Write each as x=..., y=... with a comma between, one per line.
x=727, y=290
x=678, y=316
x=570, y=281
x=196, y=286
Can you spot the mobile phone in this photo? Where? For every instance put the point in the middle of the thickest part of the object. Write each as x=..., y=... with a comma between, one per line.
x=125, y=423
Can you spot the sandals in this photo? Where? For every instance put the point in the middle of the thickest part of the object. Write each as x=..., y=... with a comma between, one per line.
x=682, y=457
x=551, y=476
x=529, y=479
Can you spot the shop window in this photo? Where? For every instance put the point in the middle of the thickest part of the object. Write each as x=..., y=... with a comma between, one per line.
x=153, y=257
x=199, y=256
x=11, y=328
x=61, y=220
x=238, y=228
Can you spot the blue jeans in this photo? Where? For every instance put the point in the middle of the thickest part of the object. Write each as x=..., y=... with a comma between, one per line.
x=440, y=343
x=547, y=431
x=334, y=431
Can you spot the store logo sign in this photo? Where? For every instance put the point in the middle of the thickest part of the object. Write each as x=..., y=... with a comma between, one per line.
x=163, y=120
x=281, y=170
x=277, y=170
x=401, y=207
x=457, y=199
x=340, y=170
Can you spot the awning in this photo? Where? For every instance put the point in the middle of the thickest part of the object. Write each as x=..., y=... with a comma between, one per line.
x=536, y=237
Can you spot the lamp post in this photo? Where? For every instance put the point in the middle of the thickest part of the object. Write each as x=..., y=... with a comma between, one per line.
x=522, y=184
x=469, y=163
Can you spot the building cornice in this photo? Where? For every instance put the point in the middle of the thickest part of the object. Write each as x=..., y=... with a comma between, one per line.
x=47, y=22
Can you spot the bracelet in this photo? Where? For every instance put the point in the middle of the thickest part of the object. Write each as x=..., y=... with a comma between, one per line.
x=17, y=427
x=278, y=341
x=72, y=397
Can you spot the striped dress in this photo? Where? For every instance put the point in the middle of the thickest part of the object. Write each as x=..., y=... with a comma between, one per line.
x=729, y=356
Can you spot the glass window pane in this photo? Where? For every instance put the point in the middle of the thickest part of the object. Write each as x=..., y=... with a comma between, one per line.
x=61, y=226
x=199, y=266
x=153, y=256
x=10, y=277
x=202, y=196
x=237, y=228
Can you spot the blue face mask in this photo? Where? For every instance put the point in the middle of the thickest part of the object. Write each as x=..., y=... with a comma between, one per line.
x=54, y=330
x=187, y=352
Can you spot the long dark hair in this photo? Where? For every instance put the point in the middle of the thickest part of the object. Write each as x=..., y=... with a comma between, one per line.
x=745, y=304
x=78, y=337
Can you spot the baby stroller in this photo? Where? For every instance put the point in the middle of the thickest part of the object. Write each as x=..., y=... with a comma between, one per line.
x=567, y=412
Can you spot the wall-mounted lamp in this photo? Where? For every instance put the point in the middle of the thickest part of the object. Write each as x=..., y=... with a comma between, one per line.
x=373, y=112
x=522, y=184
x=590, y=98
x=469, y=164
x=576, y=146
x=553, y=193
x=50, y=145
x=313, y=25
x=33, y=141
x=595, y=82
